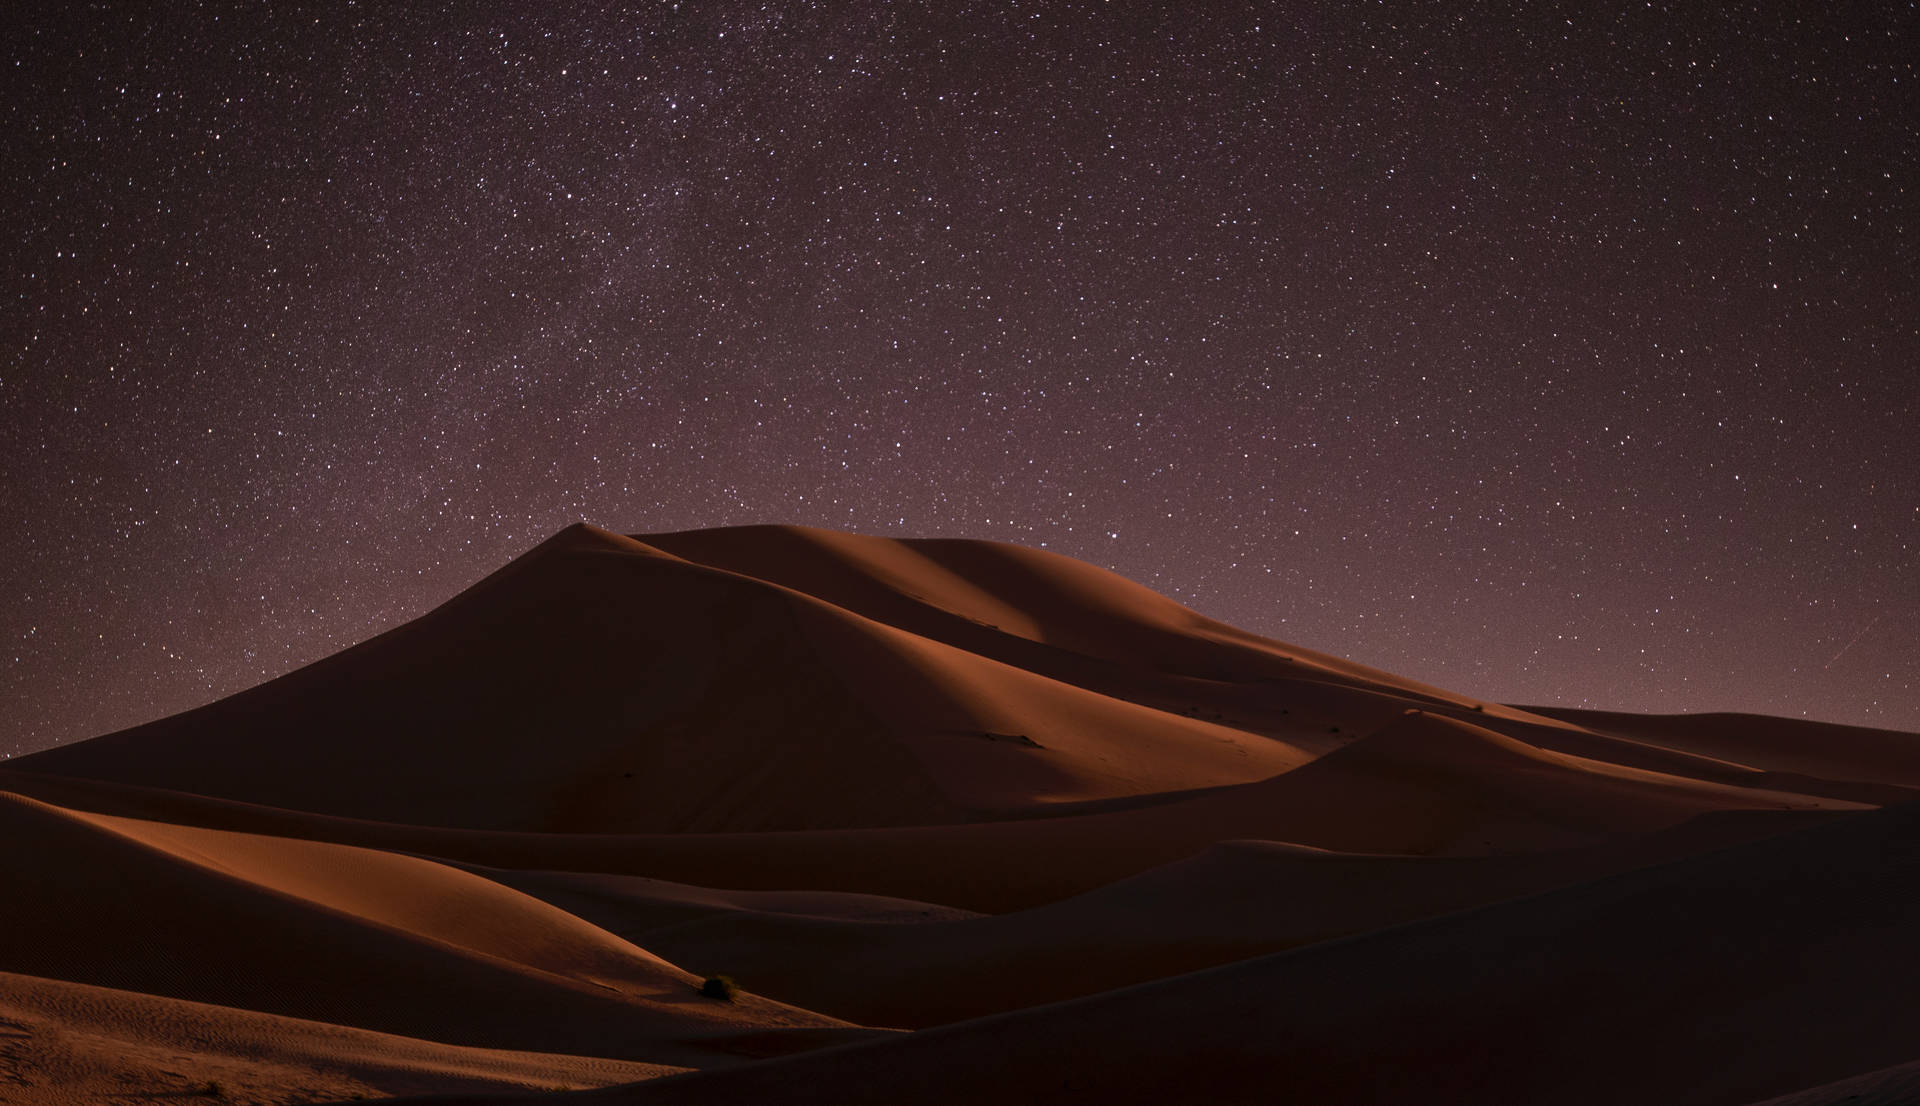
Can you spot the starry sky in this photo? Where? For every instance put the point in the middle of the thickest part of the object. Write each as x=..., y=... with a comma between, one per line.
x=1557, y=353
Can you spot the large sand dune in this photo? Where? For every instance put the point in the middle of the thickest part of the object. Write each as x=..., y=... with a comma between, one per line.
x=1086, y=843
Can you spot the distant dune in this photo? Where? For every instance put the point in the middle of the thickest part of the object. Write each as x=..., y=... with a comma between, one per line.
x=1084, y=843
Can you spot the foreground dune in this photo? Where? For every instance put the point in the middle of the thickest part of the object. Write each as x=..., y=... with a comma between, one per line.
x=348, y=936
x=69, y=1044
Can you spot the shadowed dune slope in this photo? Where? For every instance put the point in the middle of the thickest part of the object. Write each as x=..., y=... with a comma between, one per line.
x=344, y=935
x=590, y=675
x=910, y=965
x=1712, y=981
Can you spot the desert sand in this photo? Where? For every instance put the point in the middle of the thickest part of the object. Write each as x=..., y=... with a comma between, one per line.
x=966, y=822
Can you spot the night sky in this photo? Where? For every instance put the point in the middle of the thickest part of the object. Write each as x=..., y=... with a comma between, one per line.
x=1567, y=356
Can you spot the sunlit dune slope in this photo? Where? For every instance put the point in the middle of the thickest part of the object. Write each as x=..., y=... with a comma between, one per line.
x=934, y=586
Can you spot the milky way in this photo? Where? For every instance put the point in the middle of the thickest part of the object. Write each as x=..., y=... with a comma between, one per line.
x=1566, y=356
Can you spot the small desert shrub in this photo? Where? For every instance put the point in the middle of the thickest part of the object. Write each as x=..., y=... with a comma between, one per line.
x=721, y=987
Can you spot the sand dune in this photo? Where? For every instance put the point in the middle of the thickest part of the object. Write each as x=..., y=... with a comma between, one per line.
x=1087, y=843
x=601, y=685
x=1787, y=745
x=343, y=935
x=1425, y=785
x=1463, y=788
x=589, y=676
x=1656, y=986
x=598, y=685
x=68, y=1044
x=909, y=965
x=929, y=586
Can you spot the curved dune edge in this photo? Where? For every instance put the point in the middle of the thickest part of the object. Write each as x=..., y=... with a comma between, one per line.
x=70, y=1044
x=1894, y=1086
x=1788, y=745
x=1030, y=593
